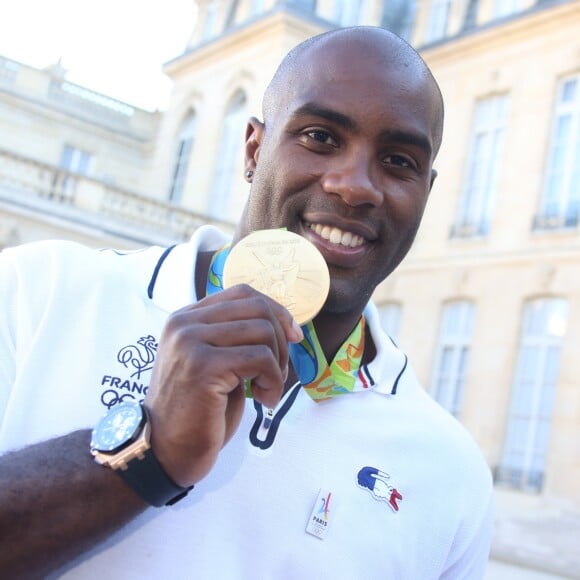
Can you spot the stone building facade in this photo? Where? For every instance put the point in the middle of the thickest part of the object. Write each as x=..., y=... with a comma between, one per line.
x=488, y=302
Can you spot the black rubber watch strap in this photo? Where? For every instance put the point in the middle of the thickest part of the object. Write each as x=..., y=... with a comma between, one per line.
x=148, y=479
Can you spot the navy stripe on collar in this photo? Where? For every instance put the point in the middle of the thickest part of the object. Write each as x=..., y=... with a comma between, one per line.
x=273, y=429
x=394, y=391
x=151, y=286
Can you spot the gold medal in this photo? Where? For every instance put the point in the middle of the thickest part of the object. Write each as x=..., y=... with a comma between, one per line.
x=284, y=266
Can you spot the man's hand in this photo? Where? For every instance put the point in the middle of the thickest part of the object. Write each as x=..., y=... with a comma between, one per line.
x=196, y=395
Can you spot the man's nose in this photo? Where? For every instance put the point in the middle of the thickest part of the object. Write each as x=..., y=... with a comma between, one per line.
x=351, y=178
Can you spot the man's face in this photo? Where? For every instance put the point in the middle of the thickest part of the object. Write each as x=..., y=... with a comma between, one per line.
x=345, y=160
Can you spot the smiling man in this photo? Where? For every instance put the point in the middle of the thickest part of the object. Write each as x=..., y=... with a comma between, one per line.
x=276, y=451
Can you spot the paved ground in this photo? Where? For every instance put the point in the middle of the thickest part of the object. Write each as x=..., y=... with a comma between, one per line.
x=538, y=536
x=502, y=571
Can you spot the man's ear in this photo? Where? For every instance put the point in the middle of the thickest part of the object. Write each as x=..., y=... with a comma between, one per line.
x=254, y=135
x=433, y=176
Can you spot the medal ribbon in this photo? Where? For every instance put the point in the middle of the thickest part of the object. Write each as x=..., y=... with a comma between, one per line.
x=320, y=380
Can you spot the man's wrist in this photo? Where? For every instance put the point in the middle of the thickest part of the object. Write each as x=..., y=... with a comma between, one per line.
x=121, y=441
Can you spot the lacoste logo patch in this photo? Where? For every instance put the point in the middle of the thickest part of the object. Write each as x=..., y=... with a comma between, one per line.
x=377, y=483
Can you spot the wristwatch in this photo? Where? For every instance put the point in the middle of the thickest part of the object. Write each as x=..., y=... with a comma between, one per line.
x=121, y=441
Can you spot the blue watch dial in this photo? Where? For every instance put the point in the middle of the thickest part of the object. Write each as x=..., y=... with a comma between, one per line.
x=118, y=427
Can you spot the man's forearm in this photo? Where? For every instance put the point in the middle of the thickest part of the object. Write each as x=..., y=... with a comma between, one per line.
x=56, y=503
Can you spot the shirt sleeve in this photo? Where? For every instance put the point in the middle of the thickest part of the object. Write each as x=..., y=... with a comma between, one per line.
x=472, y=546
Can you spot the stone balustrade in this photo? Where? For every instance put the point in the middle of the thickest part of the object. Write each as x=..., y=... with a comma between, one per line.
x=51, y=190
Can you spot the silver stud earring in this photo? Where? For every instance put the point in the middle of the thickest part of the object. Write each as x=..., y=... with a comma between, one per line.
x=249, y=174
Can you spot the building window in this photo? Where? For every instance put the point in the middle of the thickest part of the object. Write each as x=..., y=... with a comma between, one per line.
x=503, y=8
x=452, y=355
x=228, y=159
x=210, y=25
x=257, y=7
x=349, y=12
x=304, y=5
x=530, y=416
x=438, y=19
x=483, y=164
x=560, y=203
x=8, y=70
x=390, y=318
x=183, y=153
x=75, y=160
x=399, y=17
x=72, y=161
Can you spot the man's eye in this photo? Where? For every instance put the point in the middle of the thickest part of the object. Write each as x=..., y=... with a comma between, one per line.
x=321, y=137
x=398, y=161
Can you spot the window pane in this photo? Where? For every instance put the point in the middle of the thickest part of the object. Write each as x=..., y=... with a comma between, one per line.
x=506, y=7
x=230, y=148
x=66, y=157
x=569, y=90
x=349, y=12
x=182, y=156
x=438, y=17
x=399, y=16
x=533, y=392
x=210, y=28
x=452, y=355
x=482, y=167
x=561, y=193
x=75, y=160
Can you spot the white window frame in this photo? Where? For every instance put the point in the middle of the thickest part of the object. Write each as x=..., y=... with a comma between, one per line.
x=482, y=168
x=503, y=8
x=257, y=7
x=182, y=156
x=76, y=160
x=72, y=160
x=349, y=12
x=533, y=392
x=210, y=25
x=560, y=203
x=227, y=161
x=438, y=20
x=399, y=17
x=452, y=354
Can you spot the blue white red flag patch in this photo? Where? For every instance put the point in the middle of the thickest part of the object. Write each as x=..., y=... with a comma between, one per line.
x=377, y=483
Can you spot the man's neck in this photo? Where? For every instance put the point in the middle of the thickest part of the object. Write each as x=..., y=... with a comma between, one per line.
x=333, y=329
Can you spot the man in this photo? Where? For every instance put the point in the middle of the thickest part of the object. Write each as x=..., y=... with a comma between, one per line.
x=378, y=482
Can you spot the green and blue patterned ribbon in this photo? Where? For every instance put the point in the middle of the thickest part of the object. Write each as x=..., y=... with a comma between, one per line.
x=320, y=380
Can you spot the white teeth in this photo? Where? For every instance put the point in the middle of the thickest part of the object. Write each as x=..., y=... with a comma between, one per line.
x=337, y=236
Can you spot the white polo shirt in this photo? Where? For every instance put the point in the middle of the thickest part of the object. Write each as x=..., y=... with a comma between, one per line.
x=379, y=484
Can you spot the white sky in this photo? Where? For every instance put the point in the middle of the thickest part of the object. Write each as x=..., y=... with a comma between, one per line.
x=116, y=47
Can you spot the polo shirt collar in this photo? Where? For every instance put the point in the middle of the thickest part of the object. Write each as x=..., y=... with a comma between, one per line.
x=172, y=287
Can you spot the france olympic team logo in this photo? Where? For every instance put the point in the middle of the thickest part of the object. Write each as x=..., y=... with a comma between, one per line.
x=376, y=482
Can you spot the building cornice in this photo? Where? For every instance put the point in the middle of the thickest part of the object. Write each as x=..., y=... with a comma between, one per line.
x=538, y=21
x=275, y=25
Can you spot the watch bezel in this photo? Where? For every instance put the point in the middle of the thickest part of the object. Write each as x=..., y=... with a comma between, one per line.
x=97, y=444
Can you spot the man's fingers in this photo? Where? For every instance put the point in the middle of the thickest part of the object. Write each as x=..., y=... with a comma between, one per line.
x=255, y=305
x=256, y=365
x=231, y=320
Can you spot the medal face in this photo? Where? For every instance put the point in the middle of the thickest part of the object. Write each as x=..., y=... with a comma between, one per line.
x=284, y=266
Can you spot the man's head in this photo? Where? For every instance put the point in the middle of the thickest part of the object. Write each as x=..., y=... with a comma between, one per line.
x=352, y=123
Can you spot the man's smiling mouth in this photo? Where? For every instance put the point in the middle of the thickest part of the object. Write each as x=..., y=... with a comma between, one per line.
x=337, y=236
